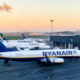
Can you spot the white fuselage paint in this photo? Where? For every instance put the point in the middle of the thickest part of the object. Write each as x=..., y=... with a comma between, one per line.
x=24, y=44
x=41, y=53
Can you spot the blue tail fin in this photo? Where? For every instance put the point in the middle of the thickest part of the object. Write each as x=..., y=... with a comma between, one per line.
x=23, y=36
x=3, y=48
x=2, y=36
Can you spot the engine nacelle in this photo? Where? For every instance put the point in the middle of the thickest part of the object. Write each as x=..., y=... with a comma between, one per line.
x=53, y=60
x=58, y=60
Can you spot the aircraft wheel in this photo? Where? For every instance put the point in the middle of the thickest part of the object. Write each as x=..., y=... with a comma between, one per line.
x=6, y=61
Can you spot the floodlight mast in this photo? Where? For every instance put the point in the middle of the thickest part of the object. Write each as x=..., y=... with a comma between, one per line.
x=51, y=26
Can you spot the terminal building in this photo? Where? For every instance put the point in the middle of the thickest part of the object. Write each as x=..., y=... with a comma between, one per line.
x=65, y=41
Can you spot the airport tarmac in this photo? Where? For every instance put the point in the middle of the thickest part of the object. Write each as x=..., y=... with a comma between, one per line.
x=33, y=70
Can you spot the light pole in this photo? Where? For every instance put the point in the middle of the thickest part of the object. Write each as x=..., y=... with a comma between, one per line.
x=51, y=26
x=51, y=33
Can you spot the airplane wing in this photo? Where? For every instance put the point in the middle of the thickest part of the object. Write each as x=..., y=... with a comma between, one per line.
x=52, y=60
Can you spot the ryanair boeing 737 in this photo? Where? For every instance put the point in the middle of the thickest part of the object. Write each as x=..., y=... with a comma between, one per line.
x=44, y=56
x=23, y=44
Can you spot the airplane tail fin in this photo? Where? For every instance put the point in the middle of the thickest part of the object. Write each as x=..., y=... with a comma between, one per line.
x=2, y=36
x=3, y=48
x=23, y=36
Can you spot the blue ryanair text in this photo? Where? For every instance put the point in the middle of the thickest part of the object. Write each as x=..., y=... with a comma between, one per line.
x=57, y=53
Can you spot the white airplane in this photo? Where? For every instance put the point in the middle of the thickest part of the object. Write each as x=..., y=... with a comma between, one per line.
x=44, y=56
x=41, y=42
x=23, y=44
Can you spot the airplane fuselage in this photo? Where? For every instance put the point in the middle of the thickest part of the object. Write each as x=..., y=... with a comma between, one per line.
x=39, y=54
x=24, y=44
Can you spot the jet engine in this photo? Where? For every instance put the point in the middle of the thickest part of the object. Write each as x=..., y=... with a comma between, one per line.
x=58, y=60
x=52, y=60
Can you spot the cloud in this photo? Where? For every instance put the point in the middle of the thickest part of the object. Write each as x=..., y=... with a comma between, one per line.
x=7, y=7
x=1, y=8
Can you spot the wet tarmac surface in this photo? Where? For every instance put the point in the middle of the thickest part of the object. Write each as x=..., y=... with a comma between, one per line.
x=34, y=71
